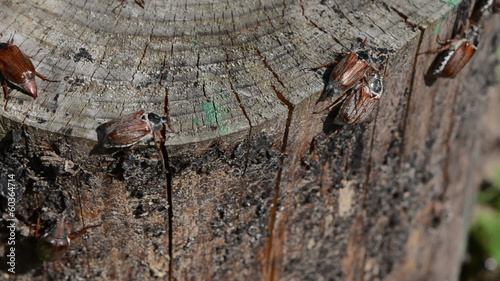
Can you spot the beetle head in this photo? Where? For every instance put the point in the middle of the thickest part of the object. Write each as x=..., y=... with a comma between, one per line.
x=156, y=121
x=30, y=87
x=29, y=83
x=376, y=86
x=473, y=35
x=54, y=244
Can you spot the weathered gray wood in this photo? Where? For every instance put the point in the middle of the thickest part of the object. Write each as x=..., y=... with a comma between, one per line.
x=113, y=58
x=260, y=187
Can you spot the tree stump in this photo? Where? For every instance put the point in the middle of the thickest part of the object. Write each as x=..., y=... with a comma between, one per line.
x=254, y=186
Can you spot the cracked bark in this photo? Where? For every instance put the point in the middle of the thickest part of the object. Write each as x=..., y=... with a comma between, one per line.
x=254, y=186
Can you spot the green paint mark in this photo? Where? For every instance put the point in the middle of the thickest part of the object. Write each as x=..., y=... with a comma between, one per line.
x=196, y=43
x=223, y=130
x=452, y=3
x=437, y=29
x=211, y=111
x=215, y=113
x=196, y=121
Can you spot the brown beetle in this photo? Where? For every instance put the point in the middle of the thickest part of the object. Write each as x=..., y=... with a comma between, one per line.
x=17, y=68
x=131, y=129
x=345, y=75
x=54, y=244
x=349, y=71
x=455, y=54
x=359, y=102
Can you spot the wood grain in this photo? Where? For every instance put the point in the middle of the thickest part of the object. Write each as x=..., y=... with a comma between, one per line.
x=212, y=65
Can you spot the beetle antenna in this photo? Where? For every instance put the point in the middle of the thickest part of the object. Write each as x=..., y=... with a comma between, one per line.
x=363, y=44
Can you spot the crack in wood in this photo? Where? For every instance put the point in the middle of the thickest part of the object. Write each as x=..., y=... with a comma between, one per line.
x=321, y=29
x=166, y=110
x=169, y=187
x=268, y=67
x=339, y=11
x=233, y=22
x=309, y=20
x=283, y=9
x=249, y=136
x=113, y=10
x=404, y=17
x=270, y=254
x=98, y=64
x=164, y=65
x=413, y=76
x=203, y=87
x=382, y=29
x=270, y=258
x=142, y=57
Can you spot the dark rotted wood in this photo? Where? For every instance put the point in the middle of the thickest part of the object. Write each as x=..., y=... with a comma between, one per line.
x=254, y=186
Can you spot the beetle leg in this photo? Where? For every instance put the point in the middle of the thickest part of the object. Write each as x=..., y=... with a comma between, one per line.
x=436, y=50
x=162, y=139
x=156, y=136
x=41, y=76
x=363, y=44
x=36, y=233
x=3, y=81
x=333, y=104
x=462, y=27
x=44, y=78
x=323, y=65
x=443, y=42
x=75, y=234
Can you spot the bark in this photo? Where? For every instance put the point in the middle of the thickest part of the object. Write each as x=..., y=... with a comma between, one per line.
x=254, y=186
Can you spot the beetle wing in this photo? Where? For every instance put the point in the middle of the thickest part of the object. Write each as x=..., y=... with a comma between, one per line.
x=14, y=64
x=357, y=106
x=324, y=103
x=345, y=75
x=458, y=59
x=127, y=130
x=349, y=71
x=128, y=136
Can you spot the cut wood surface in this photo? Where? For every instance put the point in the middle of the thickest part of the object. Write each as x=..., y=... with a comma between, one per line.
x=220, y=68
x=253, y=186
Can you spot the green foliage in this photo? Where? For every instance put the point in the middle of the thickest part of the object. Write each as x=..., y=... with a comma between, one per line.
x=490, y=196
x=484, y=240
x=486, y=230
